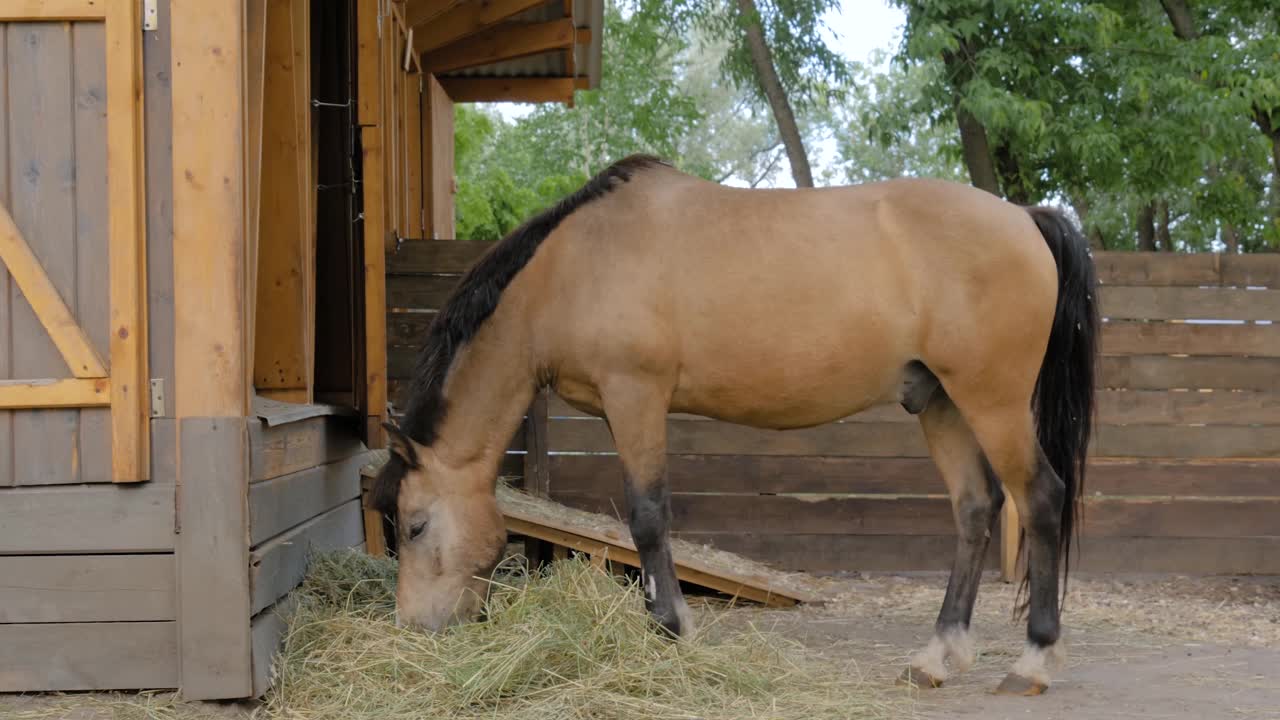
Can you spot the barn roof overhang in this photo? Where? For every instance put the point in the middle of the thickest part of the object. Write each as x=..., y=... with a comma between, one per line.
x=509, y=50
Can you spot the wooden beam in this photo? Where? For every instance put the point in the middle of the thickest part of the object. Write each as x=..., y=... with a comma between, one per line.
x=369, y=91
x=437, y=143
x=208, y=207
x=127, y=256
x=503, y=42
x=256, y=57
x=46, y=10
x=466, y=20
x=509, y=89
x=38, y=289
x=72, y=393
x=418, y=12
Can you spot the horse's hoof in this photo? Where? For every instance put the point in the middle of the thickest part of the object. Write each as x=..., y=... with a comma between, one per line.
x=1014, y=684
x=917, y=678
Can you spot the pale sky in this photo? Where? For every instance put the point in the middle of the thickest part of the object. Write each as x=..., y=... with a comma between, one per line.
x=858, y=28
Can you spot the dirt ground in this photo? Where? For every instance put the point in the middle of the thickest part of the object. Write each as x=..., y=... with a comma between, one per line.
x=1176, y=648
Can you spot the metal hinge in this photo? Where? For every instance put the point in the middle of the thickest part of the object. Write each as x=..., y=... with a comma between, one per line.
x=150, y=15
x=157, y=397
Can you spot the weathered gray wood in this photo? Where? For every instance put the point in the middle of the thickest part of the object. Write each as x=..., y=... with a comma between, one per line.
x=93, y=301
x=275, y=412
x=1159, y=372
x=280, y=503
x=164, y=451
x=1170, y=338
x=88, y=656
x=42, y=202
x=1164, y=303
x=86, y=588
x=1165, y=269
x=86, y=519
x=7, y=289
x=158, y=110
x=283, y=449
x=213, y=549
x=267, y=629
x=278, y=566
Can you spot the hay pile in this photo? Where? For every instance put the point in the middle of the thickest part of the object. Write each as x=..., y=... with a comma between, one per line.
x=570, y=642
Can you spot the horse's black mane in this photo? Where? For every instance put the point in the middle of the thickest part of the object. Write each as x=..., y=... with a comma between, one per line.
x=472, y=302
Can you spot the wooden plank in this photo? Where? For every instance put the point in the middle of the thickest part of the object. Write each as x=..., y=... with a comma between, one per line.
x=1182, y=303
x=255, y=88
x=208, y=196
x=1161, y=269
x=782, y=515
x=421, y=257
x=1253, y=270
x=86, y=588
x=213, y=589
x=369, y=115
x=86, y=519
x=278, y=566
x=70, y=393
x=284, y=502
x=1197, y=556
x=375, y=540
x=514, y=89
x=127, y=254
x=1181, y=517
x=284, y=449
x=842, y=553
x=92, y=227
x=878, y=439
x=280, y=336
x=88, y=656
x=1163, y=338
x=537, y=469
x=267, y=630
x=420, y=291
x=756, y=474
x=418, y=12
x=1153, y=407
x=595, y=474
x=1164, y=269
x=47, y=10
x=466, y=20
x=158, y=127
x=414, y=222
x=507, y=41
x=1159, y=372
x=437, y=143
x=8, y=293
x=617, y=553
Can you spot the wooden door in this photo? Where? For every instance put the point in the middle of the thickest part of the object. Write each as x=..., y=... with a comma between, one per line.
x=74, y=387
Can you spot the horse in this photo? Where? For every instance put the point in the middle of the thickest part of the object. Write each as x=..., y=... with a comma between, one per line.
x=650, y=291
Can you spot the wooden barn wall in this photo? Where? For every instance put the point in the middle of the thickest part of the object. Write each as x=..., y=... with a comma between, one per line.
x=86, y=567
x=1185, y=476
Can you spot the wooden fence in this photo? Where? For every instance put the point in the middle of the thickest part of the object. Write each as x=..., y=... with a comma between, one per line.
x=1185, y=476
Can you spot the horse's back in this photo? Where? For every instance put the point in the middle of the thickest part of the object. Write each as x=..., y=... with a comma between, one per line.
x=789, y=308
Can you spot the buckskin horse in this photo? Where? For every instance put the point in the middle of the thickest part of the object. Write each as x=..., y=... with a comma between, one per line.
x=650, y=291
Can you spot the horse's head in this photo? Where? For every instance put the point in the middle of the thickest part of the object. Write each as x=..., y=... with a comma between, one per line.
x=449, y=533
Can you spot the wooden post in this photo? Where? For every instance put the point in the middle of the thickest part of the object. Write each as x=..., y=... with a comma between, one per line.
x=369, y=115
x=210, y=374
x=537, y=473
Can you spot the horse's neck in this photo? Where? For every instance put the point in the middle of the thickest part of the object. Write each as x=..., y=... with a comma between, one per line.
x=487, y=392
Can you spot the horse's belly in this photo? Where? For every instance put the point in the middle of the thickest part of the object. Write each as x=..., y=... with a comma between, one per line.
x=790, y=388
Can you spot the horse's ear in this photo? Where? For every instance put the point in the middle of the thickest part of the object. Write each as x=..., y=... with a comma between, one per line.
x=401, y=445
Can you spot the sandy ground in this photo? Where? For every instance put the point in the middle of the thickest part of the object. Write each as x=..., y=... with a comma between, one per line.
x=1177, y=648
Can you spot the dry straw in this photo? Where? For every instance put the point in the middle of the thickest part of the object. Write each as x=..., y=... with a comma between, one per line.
x=570, y=642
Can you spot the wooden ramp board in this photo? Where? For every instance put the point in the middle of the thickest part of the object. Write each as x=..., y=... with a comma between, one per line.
x=607, y=539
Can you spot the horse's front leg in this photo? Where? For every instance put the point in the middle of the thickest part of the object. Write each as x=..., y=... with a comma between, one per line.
x=637, y=413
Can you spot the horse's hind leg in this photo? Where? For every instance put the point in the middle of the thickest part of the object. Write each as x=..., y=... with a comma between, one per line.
x=1009, y=440
x=637, y=415
x=976, y=499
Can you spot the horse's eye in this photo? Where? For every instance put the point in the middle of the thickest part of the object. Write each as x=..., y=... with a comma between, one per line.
x=416, y=529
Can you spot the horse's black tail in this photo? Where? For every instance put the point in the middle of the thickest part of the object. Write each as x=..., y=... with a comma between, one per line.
x=1064, y=396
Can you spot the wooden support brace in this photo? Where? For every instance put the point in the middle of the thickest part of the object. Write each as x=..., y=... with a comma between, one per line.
x=70, y=393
